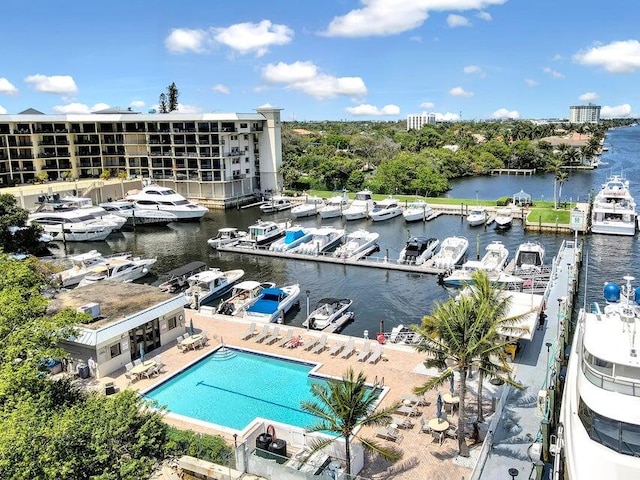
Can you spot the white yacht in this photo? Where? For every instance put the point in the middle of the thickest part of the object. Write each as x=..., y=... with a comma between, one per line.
x=334, y=206
x=81, y=264
x=327, y=311
x=504, y=218
x=529, y=257
x=493, y=262
x=385, y=210
x=600, y=410
x=118, y=269
x=226, y=236
x=243, y=295
x=358, y=244
x=138, y=216
x=310, y=208
x=210, y=284
x=277, y=203
x=155, y=197
x=322, y=240
x=418, y=250
x=360, y=207
x=293, y=236
x=417, y=211
x=71, y=226
x=273, y=304
x=614, y=209
x=263, y=233
x=477, y=216
x=55, y=203
x=451, y=253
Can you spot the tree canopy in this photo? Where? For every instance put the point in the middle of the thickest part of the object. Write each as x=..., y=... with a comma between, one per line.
x=15, y=236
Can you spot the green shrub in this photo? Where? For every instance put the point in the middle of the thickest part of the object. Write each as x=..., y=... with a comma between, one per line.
x=503, y=201
x=205, y=447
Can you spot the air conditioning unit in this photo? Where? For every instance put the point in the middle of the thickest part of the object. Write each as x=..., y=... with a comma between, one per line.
x=542, y=402
x=92, y=309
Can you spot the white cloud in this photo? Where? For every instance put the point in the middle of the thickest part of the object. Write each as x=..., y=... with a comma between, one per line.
x=366, y=110
x=447, y=117
x=3, y=111
x=182, y=108
x=460, y=92
x=469, y=69
x=219, y=88
x=255, y=38
x=137, y=104
x=615, y=57
x=306, y=77
x=63, y=84
x=416, y=38
x=589, y=97
x=616, y=111
x=77, y=107
x=552, y=72
x=7, y=87
x=454, y=21
x=504, y=113
x=390, y=17
x=531, y=82
x=265, y=105
x=557, y=57
x=427, y=105
x=486, y=16
x=182, y=40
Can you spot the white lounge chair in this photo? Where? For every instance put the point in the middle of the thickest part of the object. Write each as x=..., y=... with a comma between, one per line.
x=310, y=343
x=264, y=333
x=337, y=348
x=348, y=350
x=377, y=353
x=286, y=338
x=322, y=344
x=402, y=422
x=389, y=433
x=364, y=353
x=249, y=332
x=273, y=337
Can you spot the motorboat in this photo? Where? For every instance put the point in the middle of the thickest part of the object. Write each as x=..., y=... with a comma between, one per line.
x=418, y=250
x=277, y=203
x=600, y=409
x=358, y=244
x=477, y=216
x=529, y=256
x=177, y=279
x=273, y=304
x=322, y=240
x=493, y=262
x=293, y=236
x=451, y=253
x=334, y=206
x=118, y=269
x=243, y=295
x=327, y=311
x=226, y=236
x=504, y=217
x=135, y=216
x=360, y=207
x=55, y=203
x=210, y=284
x=495, y=257
x=81, y=264
x=308, y=209
x=155, y=197
x=385, y=210
x=71, y=226
x=614, y=209
x=263, y=233
x=417, y=211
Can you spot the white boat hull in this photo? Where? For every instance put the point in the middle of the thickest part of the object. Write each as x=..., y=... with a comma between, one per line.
x=79, y=233
x=332, y=212
x=386, y=215
x=286, y=304
x=614, y=228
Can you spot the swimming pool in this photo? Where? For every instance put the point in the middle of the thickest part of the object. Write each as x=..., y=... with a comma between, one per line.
x=232, y=387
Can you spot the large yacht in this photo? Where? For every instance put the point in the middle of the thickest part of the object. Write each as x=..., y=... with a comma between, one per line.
x=360, y=207
x=614, y=209
x=155, y=197
x=600, y=412
x=72, y=226
x=135, y=216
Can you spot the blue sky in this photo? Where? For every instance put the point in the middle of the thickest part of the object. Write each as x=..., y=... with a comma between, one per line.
x=324, y=60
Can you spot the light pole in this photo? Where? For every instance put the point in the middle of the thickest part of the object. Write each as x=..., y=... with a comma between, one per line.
x=307, y=292
x=548, y=345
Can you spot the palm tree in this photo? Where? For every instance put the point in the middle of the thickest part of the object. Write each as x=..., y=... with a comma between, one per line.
x=561, y=177
x=344, y=405
x=555, y=167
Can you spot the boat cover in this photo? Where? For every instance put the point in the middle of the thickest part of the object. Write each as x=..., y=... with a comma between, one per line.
x=293, y=234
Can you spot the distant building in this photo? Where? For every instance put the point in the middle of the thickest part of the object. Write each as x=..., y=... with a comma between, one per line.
x=417, y=121
x=584, y=113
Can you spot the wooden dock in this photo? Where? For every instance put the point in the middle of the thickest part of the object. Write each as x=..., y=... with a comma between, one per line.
x=513, y=171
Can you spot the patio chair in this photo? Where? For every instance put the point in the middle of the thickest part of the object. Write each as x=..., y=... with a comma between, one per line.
x=337, y=348
x=159, y=365
x=286, y=338
x=415, y=400
x=127, y=371
x=364, y=353
x=273, y=338
x=424, y=427
x=402, y=422
x=452, y=432
x=311, y=342
x=249, y=332
x=348, y=350
x=377, y=353
x=406, y=410
x=322, y=344
x=181, y=347
x=264, y=333
x=186, y=335
x=437, y=437
x=389, y=433
x=137, y=362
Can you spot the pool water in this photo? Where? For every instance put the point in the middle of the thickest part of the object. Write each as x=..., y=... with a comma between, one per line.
x=232, y=387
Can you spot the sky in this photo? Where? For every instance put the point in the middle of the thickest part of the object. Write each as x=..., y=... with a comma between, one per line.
x=324, y=59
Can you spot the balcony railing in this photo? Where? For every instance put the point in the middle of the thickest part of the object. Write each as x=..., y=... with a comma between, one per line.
x=607, y=382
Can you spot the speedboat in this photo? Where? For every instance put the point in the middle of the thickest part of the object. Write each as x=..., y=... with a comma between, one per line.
x=529, y=256
x=277, y=203
x=243, y=295
x=358, y=243
x=273, y=304
x=327, y=311
x=417, y=211
x=418, y=250
x=71, y=226
x=493, y=262
x=614, y=209
x=477, y=216
x=81, y=264
x=600, y=409
x=451, y=253
x=177, y=279
x=308, y=209
x=138, y=216
x=155, y=197
x=293, y=236
x=360, y=207
x=262, y=233
x=385, y=210
x=322, y=240
x=503, y=218
x=334, y=206
x=226, y=236
x=118, y=269
x=210, y=284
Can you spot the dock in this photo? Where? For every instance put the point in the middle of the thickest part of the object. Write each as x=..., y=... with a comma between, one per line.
x=339, y=324
x=513, y=171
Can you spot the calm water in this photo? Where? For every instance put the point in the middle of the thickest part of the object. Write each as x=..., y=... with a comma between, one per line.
x=397, y=297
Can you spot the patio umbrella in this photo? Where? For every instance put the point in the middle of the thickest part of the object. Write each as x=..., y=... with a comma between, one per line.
x=191, y=326
x=142, y=352
x=452, y=387
x=439, y=406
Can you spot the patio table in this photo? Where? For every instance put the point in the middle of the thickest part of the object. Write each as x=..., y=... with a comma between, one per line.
x=192, y=341
x=141, y=369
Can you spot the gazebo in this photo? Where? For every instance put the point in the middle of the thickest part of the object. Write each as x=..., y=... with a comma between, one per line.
x=521, y=198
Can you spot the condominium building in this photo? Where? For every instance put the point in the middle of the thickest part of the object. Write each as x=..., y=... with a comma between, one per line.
x=239, y=153
x=584, y=113
x=417, y=121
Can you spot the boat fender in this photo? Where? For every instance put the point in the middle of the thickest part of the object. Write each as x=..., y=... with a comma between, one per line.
x=380, y=338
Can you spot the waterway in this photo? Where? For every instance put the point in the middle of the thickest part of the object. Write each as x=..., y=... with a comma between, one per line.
x=389, y=296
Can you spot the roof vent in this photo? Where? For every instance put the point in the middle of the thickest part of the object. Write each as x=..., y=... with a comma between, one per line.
x=634, y=353
x=92, y=309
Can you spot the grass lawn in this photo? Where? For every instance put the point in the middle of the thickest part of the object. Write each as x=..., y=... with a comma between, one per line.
x=549, y=215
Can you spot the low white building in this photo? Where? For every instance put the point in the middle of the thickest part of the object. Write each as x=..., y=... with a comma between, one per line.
x=417, y=121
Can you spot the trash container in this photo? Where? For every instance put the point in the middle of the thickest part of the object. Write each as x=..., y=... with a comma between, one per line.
x=83, y=370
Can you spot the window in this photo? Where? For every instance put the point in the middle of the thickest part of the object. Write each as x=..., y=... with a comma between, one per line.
x=115, y=350
x=243, y=125
x=172, y=323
